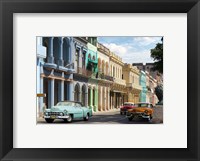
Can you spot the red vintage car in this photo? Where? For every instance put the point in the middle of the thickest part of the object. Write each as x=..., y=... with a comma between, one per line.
x=125, y=107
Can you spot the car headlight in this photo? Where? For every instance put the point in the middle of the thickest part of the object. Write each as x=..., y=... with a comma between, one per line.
x=66, y=112
x=61, y=114
x=146, y=111
x=46, y=113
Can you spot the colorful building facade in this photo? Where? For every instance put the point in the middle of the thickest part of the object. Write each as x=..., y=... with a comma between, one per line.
x=132, y=76
x=118, y=94
x=92, y=66
x=56, y=71
x=81, y=75
x=105, y=80
x=81, y=69
x=143, y=85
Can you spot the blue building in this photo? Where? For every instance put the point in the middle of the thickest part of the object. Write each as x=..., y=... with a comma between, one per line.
x=81, y=74
x=41, y=55
x=144, y=87
x=54, y=70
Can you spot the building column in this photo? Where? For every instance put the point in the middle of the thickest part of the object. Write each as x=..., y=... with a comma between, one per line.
x=51, y=93
x=60, y=51
x=80, y=59
x=96, y=99
x=61, y=90
x=91, y=98
x=86, y=97
x=41, y=102
x=100, y=98
x=72, y=51
x=104, y=99
x=70, y=91
x=108, y=98
x=39, y=86
x=50, y=58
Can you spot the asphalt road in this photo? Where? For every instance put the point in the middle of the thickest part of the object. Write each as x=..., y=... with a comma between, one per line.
x=113, y=117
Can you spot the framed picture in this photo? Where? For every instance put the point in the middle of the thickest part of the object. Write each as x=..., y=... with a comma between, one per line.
x=109, y=80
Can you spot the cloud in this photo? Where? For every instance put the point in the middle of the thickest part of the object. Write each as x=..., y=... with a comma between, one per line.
x=138, y=57
x=144, y=41
x=129, y=54
x=117, y=49
x=131, y=49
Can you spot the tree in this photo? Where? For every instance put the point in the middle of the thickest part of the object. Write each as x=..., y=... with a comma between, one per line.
x=157, y=55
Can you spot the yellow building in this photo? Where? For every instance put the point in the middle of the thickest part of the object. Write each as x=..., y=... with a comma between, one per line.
x=118, y=94
x=132, y=75
x=105, y=80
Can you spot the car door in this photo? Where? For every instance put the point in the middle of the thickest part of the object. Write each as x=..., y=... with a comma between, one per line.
x=79, y=111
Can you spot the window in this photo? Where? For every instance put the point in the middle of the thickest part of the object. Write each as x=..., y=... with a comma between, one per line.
x=78, y=105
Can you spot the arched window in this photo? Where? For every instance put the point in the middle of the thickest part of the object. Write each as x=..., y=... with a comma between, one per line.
x=83, y=95
x=76, y=92
x=103, y=66
x=99, y=64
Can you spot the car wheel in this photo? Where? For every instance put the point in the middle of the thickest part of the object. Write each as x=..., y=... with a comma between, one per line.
x=130, y=118
x=86, y=118
x=147, y=119
x=69, y=119
x=49, y=120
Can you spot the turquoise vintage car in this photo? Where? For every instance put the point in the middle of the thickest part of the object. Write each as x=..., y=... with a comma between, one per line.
x=68, y=111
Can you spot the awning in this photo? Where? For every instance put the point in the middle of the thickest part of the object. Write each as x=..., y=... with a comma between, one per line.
x=115, y=91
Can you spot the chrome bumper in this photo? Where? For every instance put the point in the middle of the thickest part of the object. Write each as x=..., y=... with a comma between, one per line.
x=138, y=116
x=56, y=117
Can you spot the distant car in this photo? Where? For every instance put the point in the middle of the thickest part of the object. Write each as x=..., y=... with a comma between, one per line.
x=142, y=110
x=68, y=111
x=125, y=107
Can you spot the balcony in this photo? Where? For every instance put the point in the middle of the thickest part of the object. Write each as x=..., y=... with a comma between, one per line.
x=106, y=77
x=103, y=48
x=84, y=72
x=120, y=81
x=133, y=85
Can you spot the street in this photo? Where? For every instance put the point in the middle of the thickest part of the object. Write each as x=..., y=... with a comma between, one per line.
x=113, y=117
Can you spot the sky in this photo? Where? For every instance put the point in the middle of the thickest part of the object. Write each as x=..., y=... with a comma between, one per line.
x=131, y=49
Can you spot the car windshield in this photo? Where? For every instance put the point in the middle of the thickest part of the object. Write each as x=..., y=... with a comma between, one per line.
x=142, y=105
x=128, y=104
x=65, y=104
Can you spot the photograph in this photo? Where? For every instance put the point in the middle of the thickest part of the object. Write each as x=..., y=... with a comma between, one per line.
x=99, y=80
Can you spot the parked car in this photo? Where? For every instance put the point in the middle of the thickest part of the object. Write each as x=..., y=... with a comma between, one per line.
x=142, y=110
x=68, y=111
x=125, y=107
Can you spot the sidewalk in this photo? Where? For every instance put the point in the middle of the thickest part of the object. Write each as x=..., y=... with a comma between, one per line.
x=108, y=111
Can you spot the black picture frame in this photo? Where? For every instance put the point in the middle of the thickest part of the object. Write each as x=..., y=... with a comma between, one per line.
x=191, y=7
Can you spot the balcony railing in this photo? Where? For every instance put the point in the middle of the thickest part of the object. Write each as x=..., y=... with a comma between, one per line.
x=85, y=72
x=133, y=85
x=106, y=77
x=120, y=81
x=103, y=48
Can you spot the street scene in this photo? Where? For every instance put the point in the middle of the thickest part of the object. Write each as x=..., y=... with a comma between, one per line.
x=99, y=80
x=114, y=117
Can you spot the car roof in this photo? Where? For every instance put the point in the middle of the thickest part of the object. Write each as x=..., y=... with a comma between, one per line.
x=70, y=101
x=129, y=102
x=143, y=102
